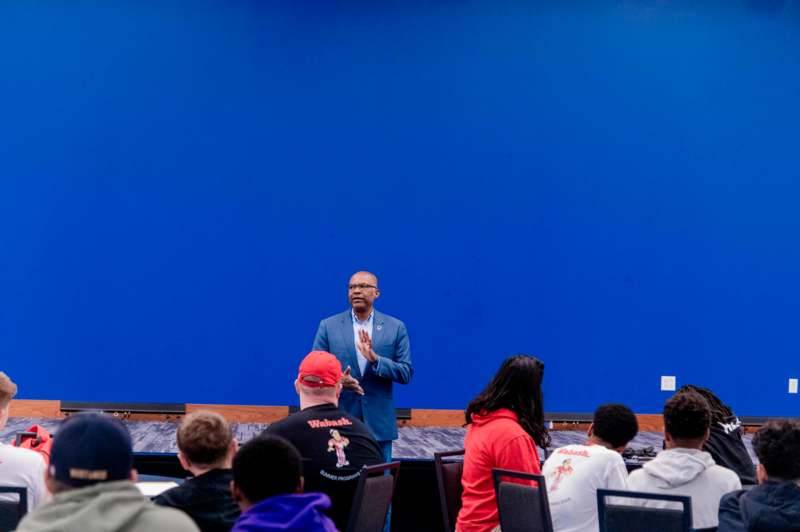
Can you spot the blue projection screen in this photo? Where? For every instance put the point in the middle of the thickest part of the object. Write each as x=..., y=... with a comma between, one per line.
x=611, y=186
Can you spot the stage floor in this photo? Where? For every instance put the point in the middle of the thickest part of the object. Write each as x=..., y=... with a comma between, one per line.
x=414, y=443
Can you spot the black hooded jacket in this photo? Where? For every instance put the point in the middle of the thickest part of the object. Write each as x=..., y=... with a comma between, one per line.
x=727, y=448
x=773, y=506
x=207, y=499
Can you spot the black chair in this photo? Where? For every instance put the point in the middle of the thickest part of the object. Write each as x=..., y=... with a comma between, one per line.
x=522, y=508
x=368, y=514
x=11, y=513
x=621, y=517
x=448, y=476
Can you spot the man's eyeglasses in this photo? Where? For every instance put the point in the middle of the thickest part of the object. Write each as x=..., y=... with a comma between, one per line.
x=362, y=286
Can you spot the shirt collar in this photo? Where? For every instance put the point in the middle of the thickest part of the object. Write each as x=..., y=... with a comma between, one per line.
x=356, y=320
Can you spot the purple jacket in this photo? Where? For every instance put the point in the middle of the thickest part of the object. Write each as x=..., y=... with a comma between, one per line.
x=301, y=512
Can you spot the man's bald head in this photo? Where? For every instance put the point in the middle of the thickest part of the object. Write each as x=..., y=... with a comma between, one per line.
x=365, y=275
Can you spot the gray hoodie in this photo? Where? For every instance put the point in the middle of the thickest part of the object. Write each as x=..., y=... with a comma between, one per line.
x=105, y=507
x=687, y=472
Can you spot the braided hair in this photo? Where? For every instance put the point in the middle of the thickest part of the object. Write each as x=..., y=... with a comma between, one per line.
x=720, y=412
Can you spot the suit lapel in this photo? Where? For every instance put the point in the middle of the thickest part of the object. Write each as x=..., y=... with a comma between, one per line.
x=349, y=343
x=378, y=330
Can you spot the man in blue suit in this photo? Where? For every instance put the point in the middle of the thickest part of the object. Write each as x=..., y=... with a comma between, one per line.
x=375, y=350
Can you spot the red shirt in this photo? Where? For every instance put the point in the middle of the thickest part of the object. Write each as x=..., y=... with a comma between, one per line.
x=494, y=440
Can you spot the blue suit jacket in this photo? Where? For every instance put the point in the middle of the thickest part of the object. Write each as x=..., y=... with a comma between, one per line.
x=390, y=342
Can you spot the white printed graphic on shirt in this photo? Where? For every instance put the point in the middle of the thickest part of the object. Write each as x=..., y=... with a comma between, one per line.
x=338, y=443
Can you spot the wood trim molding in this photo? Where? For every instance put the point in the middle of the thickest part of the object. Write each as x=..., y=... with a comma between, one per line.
x=455, y=418
x=420, y=417
x=647, y=423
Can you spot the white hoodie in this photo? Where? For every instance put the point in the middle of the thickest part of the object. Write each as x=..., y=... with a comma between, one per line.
x=690, y=472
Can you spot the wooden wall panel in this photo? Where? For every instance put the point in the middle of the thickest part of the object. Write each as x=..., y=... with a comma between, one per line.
x=650, y=422
x=244, y=413
x=434, y=418
x=580, y=427
x=35, y=408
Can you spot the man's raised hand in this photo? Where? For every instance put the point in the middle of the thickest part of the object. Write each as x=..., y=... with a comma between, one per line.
x=365, y=346
x=350, y=382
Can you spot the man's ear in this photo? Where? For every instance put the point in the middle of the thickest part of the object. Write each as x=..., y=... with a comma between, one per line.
x=48, y=480
x=238, y=497
x=297, y=386
x=301, y=485
x=185, y=463
x=4, y=412
x=233, y=448
x=134, y=475
x=668, y=440
x=590, y=432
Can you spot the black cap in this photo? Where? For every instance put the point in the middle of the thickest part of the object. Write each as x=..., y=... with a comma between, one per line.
x=90, y=448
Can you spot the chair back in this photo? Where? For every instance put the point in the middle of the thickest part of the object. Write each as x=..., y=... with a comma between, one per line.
x=368, y=513
x=626, y=517
x=12, y=512
x=522, y=508
x=448, y=477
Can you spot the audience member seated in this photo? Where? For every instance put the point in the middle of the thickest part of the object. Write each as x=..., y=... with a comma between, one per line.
x=334, y=445
x=505, y=423
x=774, y=504
x=725, y=442
x=575, y=472
x=268, y=485
x=205, y=448
x=684, y=468
x=21, y=468
x=90, y=476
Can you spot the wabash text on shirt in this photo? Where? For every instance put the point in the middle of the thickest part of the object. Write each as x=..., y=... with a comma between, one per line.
x=573, y=452
x=322, y=423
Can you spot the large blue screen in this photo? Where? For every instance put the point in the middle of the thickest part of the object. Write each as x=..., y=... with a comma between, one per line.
x=612, y=186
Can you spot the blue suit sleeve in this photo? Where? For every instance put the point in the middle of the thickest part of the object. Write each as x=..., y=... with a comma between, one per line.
x=397, y=368
x=321, y=339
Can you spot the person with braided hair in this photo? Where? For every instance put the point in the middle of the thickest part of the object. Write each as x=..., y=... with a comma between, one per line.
x=725, y=442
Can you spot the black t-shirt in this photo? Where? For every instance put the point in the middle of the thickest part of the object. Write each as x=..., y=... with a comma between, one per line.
x=334, y=446
x=207, y=499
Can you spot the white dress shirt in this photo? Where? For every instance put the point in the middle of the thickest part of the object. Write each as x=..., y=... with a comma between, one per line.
x=365, y=325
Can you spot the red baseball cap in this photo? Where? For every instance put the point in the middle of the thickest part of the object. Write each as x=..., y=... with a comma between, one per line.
x=318, y=369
